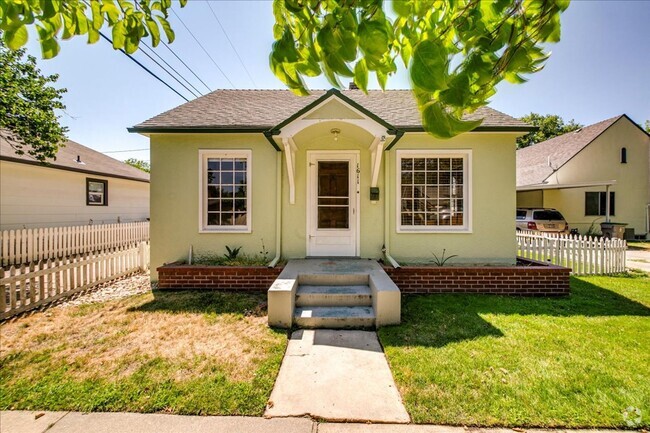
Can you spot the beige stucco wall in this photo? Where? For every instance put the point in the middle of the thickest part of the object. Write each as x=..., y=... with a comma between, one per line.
x=175, y=197
x=493, y=176
x=530, y=198
x=600, y=161
x=33, y=196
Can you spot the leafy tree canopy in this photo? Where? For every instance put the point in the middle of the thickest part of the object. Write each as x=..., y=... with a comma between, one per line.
x=139, y=164
x=28, y=120
x=647, y=126
x=550, y=125
x=456, y=51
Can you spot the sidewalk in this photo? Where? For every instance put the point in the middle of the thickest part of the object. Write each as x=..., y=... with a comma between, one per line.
x=638, y=259
x=76, y=422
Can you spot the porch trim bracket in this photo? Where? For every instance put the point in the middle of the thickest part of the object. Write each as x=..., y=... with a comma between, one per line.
x=376, y=152
x=290, y=149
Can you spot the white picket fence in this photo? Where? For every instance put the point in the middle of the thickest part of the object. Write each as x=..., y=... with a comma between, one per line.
x=31, y=245
x=32, y=285
x=583, y=254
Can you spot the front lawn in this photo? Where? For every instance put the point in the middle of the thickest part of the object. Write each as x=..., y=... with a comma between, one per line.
x=178, y=352
x=578, y=361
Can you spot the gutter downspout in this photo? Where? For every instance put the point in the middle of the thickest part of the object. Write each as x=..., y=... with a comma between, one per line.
x=278, y=211
x=390, y=259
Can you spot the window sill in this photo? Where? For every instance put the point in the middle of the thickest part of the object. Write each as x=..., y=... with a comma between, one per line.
x=223, y=230
x=416, y=230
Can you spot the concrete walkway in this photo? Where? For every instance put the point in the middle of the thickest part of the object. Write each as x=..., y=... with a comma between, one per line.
x=75, y=422
x=638, y=259
x=336, y=376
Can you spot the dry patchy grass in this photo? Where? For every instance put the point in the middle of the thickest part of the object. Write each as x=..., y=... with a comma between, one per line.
x=185, y=343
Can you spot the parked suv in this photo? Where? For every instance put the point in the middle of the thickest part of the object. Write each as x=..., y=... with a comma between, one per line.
x=542, y=220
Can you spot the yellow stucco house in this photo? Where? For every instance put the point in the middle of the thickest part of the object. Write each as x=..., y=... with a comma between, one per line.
x=580, y=172
x=333, y=174
x=81, y=186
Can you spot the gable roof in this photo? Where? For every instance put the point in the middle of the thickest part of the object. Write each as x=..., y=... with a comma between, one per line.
x=66, y=159
x=533, y=161
x=261, y=110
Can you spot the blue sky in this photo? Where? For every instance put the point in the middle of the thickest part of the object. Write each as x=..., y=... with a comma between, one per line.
x=600, y=69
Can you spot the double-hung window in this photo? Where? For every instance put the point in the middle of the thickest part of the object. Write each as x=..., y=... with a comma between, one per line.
x=225, y=190
x=596, y=203
x=434, y=192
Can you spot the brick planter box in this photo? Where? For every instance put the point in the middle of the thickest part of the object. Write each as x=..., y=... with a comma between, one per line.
x=532, y=279
x=239, y=278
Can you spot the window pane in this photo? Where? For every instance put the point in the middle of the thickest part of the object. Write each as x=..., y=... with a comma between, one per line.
x=592, y=206
x=333, y=179
x=333, y=217
x=226, y=178
x=214, y=205
x=432, y=191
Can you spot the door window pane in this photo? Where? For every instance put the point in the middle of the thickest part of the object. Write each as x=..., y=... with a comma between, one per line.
x=333, y=195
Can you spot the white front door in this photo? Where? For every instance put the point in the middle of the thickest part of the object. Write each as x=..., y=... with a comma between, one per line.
x=333, y=204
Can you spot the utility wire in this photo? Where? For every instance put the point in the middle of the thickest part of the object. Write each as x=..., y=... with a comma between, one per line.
x=180, y=60
x=145, y=68
x=167, y=71
x=185, y=64
x=128, y=150
x=214, y=14
x=203, y=48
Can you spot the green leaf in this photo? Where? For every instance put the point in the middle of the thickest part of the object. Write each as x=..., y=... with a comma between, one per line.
x=373, y=38
x=361, y=75
x=166, y=28
x=403, y=8
x=442, y=124
x=98, y=17
x=119, y=36
x=93, y=35
x=111, y=11
x=49, y=48
x=153, y=31
x=16, y=37
x=382, y=77
x=458, y=94
x=429, y=67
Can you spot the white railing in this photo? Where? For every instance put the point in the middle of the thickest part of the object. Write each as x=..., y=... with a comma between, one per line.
x=31, y=245
x=32, y=285
x=583, y=254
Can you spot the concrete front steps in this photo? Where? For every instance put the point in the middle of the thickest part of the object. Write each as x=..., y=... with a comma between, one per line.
x=333, y=293
x=348, y=306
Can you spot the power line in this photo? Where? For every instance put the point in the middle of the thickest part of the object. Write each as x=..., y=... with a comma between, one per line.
x=164, y=69
x=180, y=60
x=184, y=64
x=214, y=14
x=145, y=68
x=128, y=150
x=203, y=48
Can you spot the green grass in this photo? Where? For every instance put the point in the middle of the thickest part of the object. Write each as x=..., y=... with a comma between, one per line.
x=179, y=352
x=639, y=245
x=578, y=361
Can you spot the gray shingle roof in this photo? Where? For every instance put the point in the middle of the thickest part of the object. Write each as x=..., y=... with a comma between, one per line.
x=264, y=109
x=66, y=158
x=532, y=161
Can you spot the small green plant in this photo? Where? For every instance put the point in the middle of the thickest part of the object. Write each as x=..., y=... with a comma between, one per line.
x=592, y=230
x=440, y=261
x=232, y=253
x=264, y=253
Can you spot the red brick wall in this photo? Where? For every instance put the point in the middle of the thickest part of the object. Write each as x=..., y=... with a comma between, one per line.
x=537, y=279
x=240, y=278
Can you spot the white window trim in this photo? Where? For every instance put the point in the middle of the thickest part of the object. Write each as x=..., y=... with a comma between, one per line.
x=466, y=154
x=204, y=154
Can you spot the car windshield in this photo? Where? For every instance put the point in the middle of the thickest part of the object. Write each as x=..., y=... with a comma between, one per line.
x=550, y=215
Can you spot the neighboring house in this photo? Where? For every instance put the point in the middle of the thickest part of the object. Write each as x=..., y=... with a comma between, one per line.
x=80, y=186
x=336, y=173
x=574, y=172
